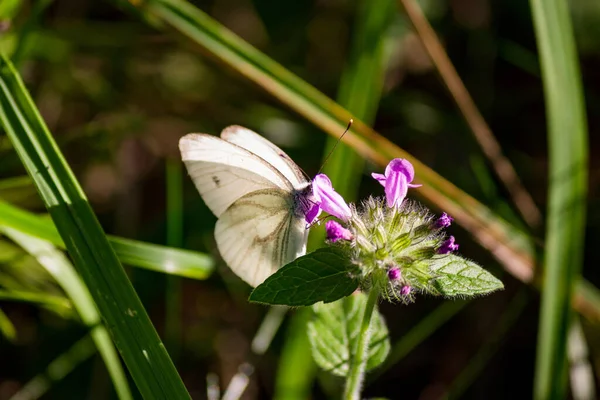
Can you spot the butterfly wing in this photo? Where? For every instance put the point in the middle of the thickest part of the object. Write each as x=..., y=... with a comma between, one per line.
x=259, y=233
x=223, y=172
x=263, y=148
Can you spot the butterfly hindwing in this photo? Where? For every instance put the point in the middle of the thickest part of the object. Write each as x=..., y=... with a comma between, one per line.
x=259, y=233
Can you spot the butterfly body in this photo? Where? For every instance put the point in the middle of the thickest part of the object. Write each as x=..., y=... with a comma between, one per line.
x=260, y=196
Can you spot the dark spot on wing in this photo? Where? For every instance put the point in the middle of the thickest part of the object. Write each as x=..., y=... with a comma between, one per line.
x=216, y=180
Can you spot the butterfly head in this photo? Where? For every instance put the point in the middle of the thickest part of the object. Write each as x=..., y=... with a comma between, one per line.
x=306, y=204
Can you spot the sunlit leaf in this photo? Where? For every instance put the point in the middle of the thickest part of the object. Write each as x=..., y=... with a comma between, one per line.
x=456, y=276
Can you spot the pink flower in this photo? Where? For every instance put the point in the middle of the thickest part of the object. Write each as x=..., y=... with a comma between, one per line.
x=398, y=176
x=328, y=200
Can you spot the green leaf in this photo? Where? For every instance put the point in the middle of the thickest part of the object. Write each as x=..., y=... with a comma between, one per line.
x=333, y=334
x=456, y=276
x=324, y=275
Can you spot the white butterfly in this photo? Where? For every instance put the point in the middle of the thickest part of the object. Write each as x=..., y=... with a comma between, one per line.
x=258, y=193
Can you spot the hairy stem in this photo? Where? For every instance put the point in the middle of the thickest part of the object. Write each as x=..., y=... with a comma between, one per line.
x=358, y=362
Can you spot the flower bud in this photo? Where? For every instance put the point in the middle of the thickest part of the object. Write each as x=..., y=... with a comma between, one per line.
x=405, y=291
x=448, y=246
x=335, y=231
x=394, y=274
x=443, y=221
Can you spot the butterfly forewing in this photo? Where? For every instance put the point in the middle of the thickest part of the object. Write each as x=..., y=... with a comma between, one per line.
x=263, y=148
x=223, y=172
x=260, y=233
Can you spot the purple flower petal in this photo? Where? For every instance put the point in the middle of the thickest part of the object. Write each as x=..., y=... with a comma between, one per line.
x=396, y=188
x=379, y=177
x=402, y=166
x=335, y=231
x=327, y=198
x=448, y=246
x=443, y=221
x=405, y=291
x=312, y=213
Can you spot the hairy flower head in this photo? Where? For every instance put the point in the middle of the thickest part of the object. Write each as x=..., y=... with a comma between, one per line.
x=394, y=246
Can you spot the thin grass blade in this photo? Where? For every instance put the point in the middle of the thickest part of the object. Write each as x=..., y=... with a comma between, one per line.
x=567, y=191
x=167, y=260
x=173, y=291
x=56, y=303
x=296, y=368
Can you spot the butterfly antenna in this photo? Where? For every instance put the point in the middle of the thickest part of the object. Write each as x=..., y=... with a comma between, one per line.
x=335, y=145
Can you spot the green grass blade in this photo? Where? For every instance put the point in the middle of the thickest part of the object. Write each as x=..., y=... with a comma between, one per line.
x=296, y=368
x=173, y=293
x=58, y=303
x=568, y=166
x=168, y=260
x=57, y=265
x=129, y=324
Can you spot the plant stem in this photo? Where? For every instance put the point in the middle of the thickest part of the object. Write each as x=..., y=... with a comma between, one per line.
x=359, y=360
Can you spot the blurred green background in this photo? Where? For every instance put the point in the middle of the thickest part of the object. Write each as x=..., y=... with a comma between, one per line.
x=117, y=94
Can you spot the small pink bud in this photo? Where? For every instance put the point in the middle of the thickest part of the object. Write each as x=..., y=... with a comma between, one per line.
x=394, y=274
